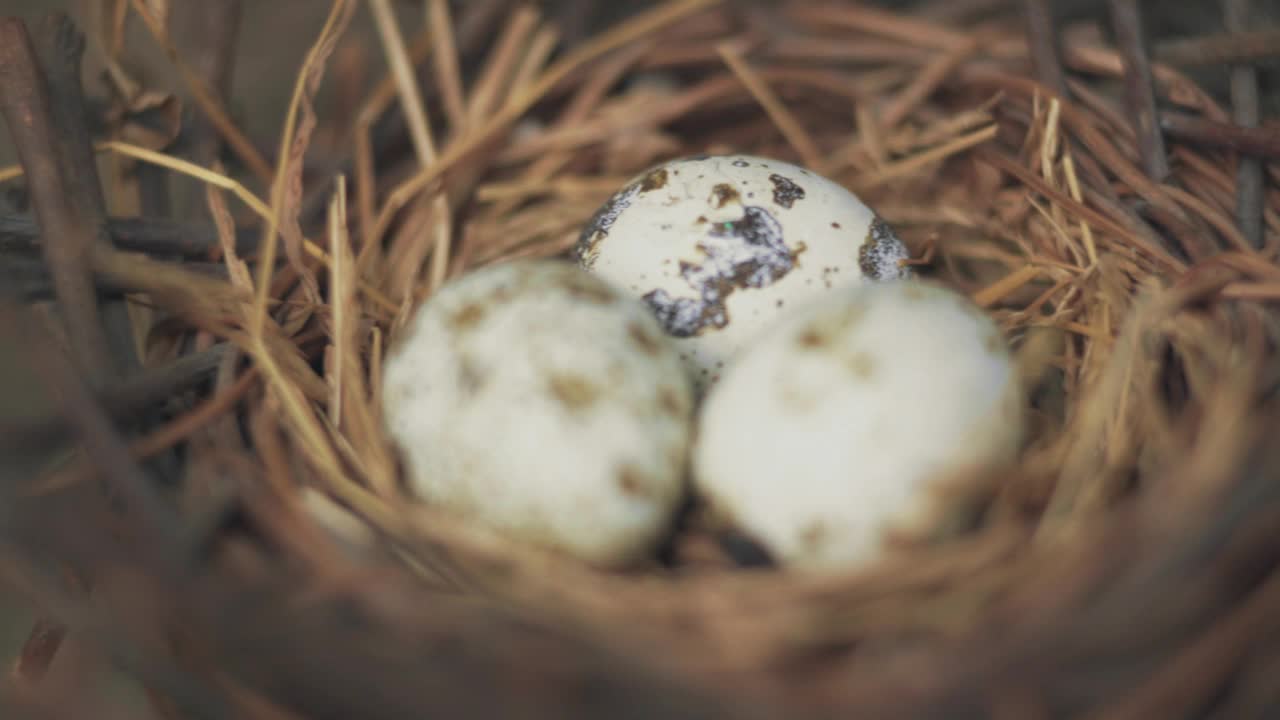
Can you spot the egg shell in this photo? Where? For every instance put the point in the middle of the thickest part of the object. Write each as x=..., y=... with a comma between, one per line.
x=719, y=246
x=829, y=431
x=546, y=405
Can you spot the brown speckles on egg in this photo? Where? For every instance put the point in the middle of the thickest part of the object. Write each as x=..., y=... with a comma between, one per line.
x=835, y=225
x=824, y=330
x=739, y=254
x=633, y=482
x=466, y=317
x=785, y=191
x=669, y=401
x=574, y=392
x=723, y=194
x=470, y=377
x=862, y=365
x=644, y=339
x=655, y=180
x=588, y=290
x=812, y=339
x=814, y=536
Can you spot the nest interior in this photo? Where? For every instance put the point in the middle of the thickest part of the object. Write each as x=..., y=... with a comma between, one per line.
x=229, y=527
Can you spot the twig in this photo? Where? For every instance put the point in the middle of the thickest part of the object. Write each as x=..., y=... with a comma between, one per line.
x=39, y=650
x=26, y=279
x=24, y=100
x=387, y=123
x=137, y=394
x=790, y=127
x=445, y=63
x=154, y=236
x=1246, y=112
x=1258, y=142
x=1140, y=93
x=61, y=47
x=1233, y=47
x=108, y=453
x=1042, y=40
x=923, y=85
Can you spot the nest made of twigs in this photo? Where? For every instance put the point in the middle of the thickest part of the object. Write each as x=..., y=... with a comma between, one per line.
x=1126, y=567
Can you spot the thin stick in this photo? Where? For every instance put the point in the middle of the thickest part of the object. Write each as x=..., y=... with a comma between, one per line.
x=445, y=57
x=39, y=650
x=787, y=124
x=535, y=59
x=1246, y=113
x=924, y=84
x=885, y=23
x=639, y=26
x=1258, y=142
x=252, y=201
x=24, y=101
x=1241, y=46
x=1139, y=87
x=339, y=16
x=501, y=64
x=412, y=105
x=1042, y=39
x=61, y=48
x=137, y=394
x=913, y=163
x=105, y=449
x=192, y=240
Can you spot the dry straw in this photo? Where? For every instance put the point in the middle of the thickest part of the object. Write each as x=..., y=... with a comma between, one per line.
x=1126, y=568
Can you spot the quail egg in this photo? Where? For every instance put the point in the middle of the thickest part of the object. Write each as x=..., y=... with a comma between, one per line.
x=829, y=430
x=719, y=246
x=543, y=404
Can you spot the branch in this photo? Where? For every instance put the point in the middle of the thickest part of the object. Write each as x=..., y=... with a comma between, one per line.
x=61, y=47
x=24, y=101
x=154, y=236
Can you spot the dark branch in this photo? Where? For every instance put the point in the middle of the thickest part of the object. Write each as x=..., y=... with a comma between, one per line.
x=1042, y=40
x=1257, y=142
x=61, y=47
x=24, y=99
x=1140, y=91
x=153, y=236
x=1246, y=113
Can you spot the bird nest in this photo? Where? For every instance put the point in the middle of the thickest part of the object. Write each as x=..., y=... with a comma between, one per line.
x=231, y=527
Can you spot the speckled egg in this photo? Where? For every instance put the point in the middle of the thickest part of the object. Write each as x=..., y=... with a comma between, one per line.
x=831, y=429
x=544, y=404
x=719, y=246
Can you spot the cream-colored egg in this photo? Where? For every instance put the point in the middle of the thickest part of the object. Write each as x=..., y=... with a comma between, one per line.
x=719, y=246
x=544, y=404
x=830, y=430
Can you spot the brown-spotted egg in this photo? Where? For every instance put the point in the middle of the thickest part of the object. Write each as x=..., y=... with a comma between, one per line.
x=719, y=246
x=830, y=431
x=541, y=403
